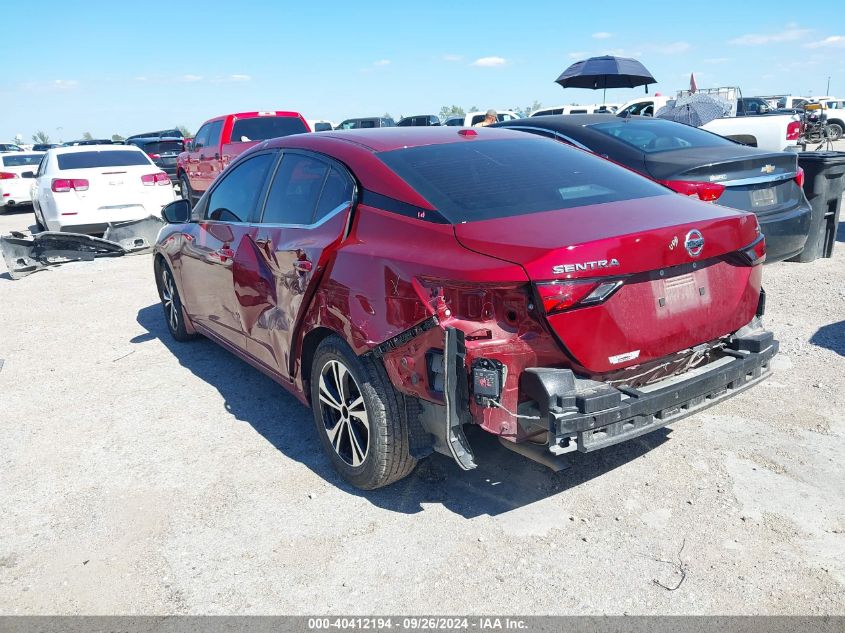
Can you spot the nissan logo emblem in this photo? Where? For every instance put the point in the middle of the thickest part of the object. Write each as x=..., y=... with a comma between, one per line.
x=694, y=243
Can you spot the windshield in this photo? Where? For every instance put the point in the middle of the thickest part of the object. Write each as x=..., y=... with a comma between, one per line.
x=656, y=135
x=263, y=128
x=162, y=147
x=20, y=160
x=107, y=158
x=470, y=181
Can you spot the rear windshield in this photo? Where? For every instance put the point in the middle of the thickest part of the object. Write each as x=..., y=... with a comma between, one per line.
x=20, y=160
x=107, y=158
x=162, y=147
x=263, y=128
x=656, y=135
x=470, y=181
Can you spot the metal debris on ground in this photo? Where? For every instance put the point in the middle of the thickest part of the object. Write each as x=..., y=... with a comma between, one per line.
x=26, y=254
x=136, y=236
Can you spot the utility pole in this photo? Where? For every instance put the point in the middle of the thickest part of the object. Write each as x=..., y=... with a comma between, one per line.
x=827, y=92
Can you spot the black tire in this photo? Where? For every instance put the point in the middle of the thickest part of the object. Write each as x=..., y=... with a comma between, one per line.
x=185, y=189
x=38, y=223
x=380, y=417
x=834, y=131
x=174, y=315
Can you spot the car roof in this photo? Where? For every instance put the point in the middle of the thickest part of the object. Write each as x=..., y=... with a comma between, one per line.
x=154, y=139
x=566, y=122
x=389, y=138
x=72, y=149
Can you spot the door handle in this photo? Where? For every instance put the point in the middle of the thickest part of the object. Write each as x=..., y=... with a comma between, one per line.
x=303, y=265
x=225, y=253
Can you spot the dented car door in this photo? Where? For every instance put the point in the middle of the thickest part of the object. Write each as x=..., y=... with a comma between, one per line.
x=307, y=211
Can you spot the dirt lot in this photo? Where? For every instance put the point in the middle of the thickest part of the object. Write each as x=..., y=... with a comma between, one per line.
x=138, y=475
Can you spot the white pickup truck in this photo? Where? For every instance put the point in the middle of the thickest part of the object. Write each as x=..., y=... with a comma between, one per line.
x=774, y=132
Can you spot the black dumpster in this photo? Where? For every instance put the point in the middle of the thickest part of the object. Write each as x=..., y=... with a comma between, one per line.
x=824, y=180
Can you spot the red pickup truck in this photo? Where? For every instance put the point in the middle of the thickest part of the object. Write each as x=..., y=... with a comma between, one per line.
x=221, y=139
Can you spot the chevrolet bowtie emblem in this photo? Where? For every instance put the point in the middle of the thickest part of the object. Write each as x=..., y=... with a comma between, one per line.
x=767, y=169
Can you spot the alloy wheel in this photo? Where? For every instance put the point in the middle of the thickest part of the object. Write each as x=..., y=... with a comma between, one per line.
x=344, y=413
x=168, y=299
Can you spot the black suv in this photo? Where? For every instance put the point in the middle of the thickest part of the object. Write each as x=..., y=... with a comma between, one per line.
x=367, y=122
x=419, y=120
x=163, y=150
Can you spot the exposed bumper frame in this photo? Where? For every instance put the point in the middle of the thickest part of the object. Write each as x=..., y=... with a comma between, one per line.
x=587, y=416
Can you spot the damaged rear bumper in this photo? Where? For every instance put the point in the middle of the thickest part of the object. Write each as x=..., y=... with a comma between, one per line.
x=586, y=415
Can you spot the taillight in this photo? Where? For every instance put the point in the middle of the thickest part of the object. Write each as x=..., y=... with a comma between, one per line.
x=148, y=180
x=154, y=156
x=707, y=191
x=799, y=177
x=62, y=185
x=793, y=131
x=7, y=175
x=558, y=296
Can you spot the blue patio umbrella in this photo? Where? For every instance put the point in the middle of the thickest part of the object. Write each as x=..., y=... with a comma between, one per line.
x=695, y=109
x=606, y=72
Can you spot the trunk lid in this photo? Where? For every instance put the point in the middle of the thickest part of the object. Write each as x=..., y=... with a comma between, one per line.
x=114, y=187
x=670, y=299
x=757, y=181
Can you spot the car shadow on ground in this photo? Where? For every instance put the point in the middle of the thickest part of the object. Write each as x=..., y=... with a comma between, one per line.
x=831, y=336
x=503, y=480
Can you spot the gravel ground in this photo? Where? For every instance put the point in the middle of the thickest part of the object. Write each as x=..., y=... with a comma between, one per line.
x=139, y=475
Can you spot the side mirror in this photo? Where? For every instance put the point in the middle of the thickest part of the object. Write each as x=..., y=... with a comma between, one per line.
x=28, y=174
x=189, y=145
x=177, y=212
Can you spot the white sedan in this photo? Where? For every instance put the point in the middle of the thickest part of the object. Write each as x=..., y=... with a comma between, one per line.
x=14, y=189
x=81, y=189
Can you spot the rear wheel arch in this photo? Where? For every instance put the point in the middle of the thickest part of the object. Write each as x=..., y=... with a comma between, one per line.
x=310, y=342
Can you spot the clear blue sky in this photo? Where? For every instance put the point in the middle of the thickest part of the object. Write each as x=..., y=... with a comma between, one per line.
x=121, y=67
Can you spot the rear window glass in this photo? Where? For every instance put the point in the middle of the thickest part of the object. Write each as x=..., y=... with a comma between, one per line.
x=20, y=160
x=115, y=158
x=162, y=147
x=263, y=128
x=658, y=136
x=480, y=180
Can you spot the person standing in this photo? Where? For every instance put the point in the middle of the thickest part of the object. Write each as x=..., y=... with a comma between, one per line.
x=489, y=119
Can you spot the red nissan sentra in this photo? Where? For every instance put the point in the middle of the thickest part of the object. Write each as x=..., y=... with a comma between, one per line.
x=405, y=282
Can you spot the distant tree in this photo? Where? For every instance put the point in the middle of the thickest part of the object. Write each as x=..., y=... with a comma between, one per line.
x=386, y=115
x=536, y=105
x=474, y=109
x=185, y=131
x=447, y=111
x=117, y=137
x=87, y=137
x=41, y=137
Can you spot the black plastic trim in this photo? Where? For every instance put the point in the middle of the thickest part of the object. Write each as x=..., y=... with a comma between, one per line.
x=386, y=203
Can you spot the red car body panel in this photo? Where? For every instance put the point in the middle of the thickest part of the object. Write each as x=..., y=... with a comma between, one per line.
x=263, y=291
